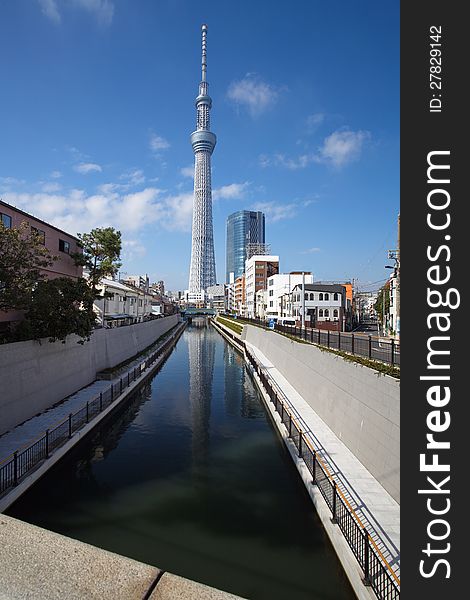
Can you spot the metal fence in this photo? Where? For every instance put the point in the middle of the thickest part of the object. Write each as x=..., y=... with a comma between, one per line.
x=377, y=571
x=358, y=344
x=21, y=462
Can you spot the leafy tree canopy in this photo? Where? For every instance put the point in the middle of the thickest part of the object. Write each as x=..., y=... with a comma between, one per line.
x=101, y=253
x=56, y=311
x=22, y=256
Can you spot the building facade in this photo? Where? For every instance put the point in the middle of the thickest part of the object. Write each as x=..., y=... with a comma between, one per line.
x=258, y=269
x=243, y=227
x=240, y=295
x=278, y=288
x=324, y=305
x=122, y=304
x=202, y=268
x=58, y=243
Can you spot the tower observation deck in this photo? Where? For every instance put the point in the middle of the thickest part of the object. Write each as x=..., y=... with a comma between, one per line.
x=202, y=269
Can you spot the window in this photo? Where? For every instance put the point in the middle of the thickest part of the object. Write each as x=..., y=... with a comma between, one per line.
x=320, y=297
x=6, y=220
x=271, y=304
x=327, y=312
x=271, y=282
x=327, y=296
x=320, y=313
x=306, y=296
x=40, y=234
x=64, y=246
x=336, y=296
x=312, y=297
x=271, y=292
x=335, y=313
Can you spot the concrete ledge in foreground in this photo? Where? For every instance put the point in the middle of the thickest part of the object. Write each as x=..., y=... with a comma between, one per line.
x=41, y=565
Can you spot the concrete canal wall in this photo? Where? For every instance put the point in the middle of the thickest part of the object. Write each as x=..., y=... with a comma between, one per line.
x=360, y=406
x=36, y=375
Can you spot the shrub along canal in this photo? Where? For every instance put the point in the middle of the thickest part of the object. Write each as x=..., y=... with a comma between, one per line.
x=190, y=476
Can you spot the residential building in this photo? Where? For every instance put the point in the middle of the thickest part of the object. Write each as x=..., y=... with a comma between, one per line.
x=139, y=281
x=258, y=269
x=158, y=288
x=324, y=305
x=240, y=295
x=243, y=227
x=121, y=304
x=195, y=299
x=279, y=286
x=58, y=242
x=215, y=295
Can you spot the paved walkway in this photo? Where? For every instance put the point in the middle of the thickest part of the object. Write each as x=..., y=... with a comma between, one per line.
x=26, y=433
x=373, y=504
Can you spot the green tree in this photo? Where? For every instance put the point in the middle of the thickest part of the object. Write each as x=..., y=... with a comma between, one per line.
x=22, y=257
x=383, y=293
x=100, y=257
x=56, y=311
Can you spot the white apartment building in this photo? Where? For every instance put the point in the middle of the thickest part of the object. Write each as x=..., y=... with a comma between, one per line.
x=324, y=305
x=215, y=295
x=279, y=285
x=121, y=304
x=258, y=269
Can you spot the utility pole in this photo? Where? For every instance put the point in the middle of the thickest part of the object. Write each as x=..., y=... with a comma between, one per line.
x=383, y=310
x=303, y=299
x=398, y=279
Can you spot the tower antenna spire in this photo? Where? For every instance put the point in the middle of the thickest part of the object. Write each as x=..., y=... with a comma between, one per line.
x=204, y=51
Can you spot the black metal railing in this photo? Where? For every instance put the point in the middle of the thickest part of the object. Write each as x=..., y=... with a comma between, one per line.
x=357, y=344
x=377, y=571
x=23, y=461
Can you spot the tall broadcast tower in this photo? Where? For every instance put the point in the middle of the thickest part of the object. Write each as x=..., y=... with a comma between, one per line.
x=202, y=269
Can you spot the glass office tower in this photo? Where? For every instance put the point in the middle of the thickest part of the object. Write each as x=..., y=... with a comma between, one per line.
x=243, y=227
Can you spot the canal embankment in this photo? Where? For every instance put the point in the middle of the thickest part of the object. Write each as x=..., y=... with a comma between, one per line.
x=372, y=508
x=28, y=451
x=37, y=375
x=191, y=477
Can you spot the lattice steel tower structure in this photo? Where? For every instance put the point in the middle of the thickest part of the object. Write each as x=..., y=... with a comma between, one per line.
x=202, y=269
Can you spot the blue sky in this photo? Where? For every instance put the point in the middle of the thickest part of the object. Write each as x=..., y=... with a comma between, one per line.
x=97, y=105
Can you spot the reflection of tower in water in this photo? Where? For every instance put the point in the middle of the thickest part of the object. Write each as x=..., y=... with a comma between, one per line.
x=201, y=348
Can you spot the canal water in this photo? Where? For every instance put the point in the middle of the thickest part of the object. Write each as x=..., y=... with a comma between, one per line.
x=191, y=476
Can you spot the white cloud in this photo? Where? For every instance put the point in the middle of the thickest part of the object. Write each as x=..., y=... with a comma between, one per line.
x=254, y=95
x=85, y=168
x=188, y=171
x=275, y=211
x=231, y=191
x=7, y=182
x=132, y=249
x=338, y=149
x=102, y=10
x=342, y=147
x=134, y=177
x=311, y=251
x=314, y=121
x=178, y=212
x=56, y=174
x=51, y=187
x=50, y=10
x=158, y=143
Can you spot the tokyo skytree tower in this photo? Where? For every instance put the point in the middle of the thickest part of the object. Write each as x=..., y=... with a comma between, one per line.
x=202, y=269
